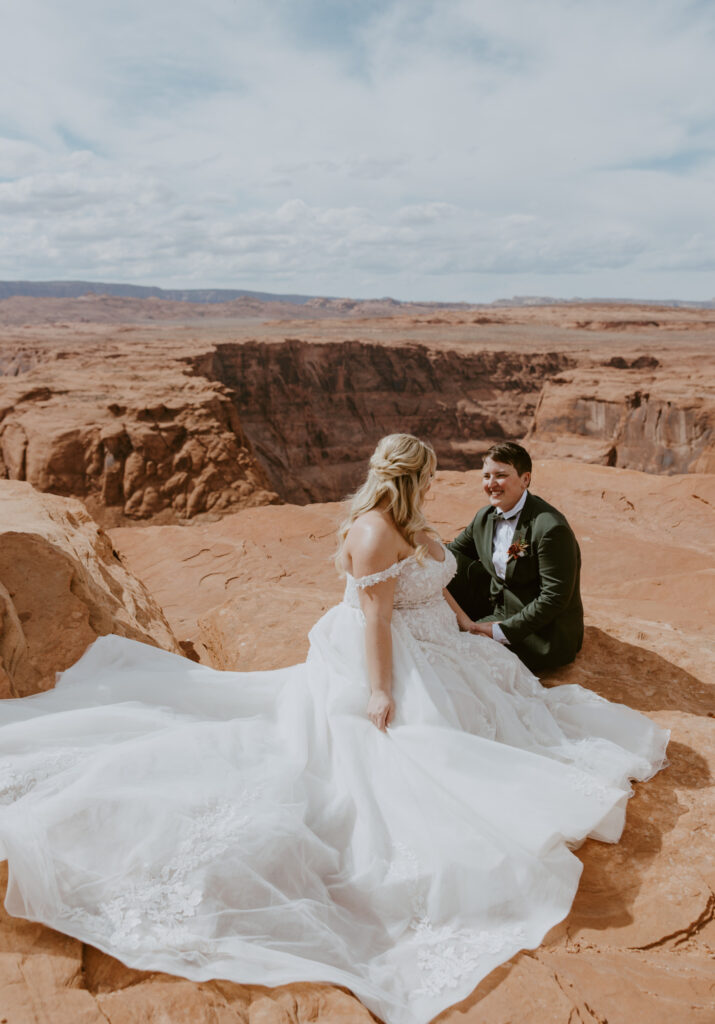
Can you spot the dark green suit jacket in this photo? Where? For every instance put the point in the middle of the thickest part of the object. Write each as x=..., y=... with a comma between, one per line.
x=538, y=604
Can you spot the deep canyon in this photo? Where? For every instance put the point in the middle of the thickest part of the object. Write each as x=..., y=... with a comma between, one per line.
x=166, y=421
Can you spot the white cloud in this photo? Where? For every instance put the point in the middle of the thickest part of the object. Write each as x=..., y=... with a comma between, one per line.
x=457, y=149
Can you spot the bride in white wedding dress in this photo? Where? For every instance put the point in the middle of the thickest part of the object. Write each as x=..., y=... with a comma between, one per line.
x=258, y=827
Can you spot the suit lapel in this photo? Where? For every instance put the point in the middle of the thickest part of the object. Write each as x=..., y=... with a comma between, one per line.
x=520, y=533
x=487, y=538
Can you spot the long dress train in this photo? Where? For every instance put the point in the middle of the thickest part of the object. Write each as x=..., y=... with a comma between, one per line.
x=257, y=827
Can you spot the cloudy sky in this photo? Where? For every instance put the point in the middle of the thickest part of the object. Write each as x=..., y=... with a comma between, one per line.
x=423, y=149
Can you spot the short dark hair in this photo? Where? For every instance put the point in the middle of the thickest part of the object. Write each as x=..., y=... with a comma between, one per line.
x=512, y=454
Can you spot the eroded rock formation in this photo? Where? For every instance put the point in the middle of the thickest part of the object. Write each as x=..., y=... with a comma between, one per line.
x=239, y=424
x=62, y=584
x=166, y=423
x=637, y=421
x=314, y=412
x=133, y=437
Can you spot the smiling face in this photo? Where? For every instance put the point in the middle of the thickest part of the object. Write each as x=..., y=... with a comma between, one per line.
x=503, y=485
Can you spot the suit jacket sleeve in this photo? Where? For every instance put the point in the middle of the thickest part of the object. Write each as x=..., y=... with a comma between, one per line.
x=557, y=554
x=463, y=544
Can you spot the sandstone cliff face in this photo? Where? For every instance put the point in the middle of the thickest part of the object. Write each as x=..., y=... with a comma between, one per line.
x=314, y=412
x=168, y=423
x=136, y=442
x=165, y=435
x=635, y=421
x=61, y=586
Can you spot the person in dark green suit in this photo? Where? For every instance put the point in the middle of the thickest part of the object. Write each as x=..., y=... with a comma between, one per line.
x=519, y=565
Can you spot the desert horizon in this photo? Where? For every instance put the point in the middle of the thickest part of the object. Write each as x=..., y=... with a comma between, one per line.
x=208, y=294
x=161, y=411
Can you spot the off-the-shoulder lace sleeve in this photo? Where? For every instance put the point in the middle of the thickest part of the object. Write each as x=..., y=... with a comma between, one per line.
x=380, y=577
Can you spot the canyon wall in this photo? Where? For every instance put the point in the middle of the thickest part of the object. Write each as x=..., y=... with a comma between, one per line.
x=155, y=445
x=314, y=412
x=641, y=422
x=163, y=425
x=166, y=436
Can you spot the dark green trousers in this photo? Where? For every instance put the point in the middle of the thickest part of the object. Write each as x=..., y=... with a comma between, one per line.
x=470, y=588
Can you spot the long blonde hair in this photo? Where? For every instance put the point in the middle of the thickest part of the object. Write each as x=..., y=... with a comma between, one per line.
x=400, y=470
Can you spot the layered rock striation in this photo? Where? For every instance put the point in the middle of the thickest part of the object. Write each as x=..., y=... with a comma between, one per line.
x=133, y=441
x=234, y=424
x=314, y=412
x=641, y=422
x=158, y=423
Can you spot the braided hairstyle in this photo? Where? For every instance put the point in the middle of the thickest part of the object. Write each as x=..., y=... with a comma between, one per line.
x=401, y=468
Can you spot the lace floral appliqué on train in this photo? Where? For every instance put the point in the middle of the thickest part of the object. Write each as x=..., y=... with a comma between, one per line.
x=16, y=783
x=445, y=955
x=155, y=910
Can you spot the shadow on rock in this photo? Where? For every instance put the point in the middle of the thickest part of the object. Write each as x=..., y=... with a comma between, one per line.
x=627, y=674
x=614, y=874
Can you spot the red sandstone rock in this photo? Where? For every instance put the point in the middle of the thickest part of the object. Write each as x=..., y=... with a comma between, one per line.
x=639, y=420
x=61, y=585
x=163, y=423
x=647, y=544
x=314, y=412
x=136, y=435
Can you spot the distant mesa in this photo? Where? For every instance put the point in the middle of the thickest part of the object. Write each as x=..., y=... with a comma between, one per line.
x=80, y=289
x=204, y=296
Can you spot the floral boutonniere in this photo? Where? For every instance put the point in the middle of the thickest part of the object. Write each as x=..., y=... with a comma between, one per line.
x=518, y=549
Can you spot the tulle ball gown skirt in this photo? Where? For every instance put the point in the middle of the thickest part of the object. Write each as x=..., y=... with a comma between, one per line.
x=257, y=827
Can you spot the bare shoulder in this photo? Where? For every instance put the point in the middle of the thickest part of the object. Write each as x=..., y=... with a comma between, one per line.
x=372, y=544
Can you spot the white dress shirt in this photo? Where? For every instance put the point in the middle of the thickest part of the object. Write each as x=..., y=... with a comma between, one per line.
x=504, y=529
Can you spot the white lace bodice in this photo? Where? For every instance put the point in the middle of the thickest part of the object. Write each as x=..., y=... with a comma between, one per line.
x=418, y=595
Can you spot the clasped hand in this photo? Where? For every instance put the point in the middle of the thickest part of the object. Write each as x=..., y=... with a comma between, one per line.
x=480, y=628
x=380, y=709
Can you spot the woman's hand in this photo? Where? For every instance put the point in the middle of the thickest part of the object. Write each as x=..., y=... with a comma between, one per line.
x=482, y=629
x=380, y=709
